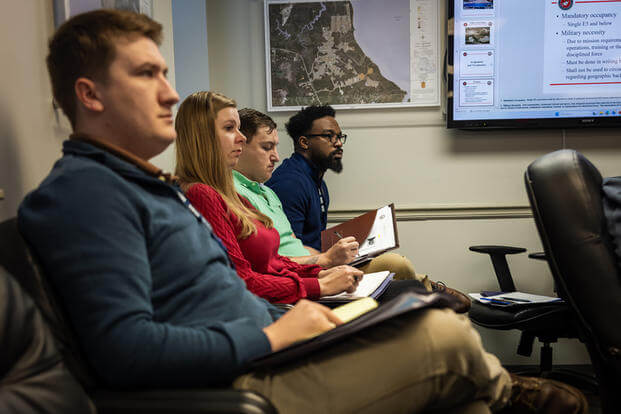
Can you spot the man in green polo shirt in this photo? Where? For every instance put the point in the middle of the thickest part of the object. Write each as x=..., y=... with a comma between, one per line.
x=255, y=166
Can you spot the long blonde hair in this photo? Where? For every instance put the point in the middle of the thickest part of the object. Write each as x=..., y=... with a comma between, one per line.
x=199, y=155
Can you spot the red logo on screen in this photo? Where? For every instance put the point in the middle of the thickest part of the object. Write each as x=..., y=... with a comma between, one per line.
x=565, y=4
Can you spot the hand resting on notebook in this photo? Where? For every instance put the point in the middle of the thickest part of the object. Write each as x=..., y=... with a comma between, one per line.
x=339, y=279
x=305, y=320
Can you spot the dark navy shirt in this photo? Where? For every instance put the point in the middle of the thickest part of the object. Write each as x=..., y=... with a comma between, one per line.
x=304, y=196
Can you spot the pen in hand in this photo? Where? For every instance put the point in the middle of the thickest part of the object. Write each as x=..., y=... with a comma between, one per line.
x=338, y=234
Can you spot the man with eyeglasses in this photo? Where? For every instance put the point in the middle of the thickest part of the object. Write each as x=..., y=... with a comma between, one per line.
x=255, y=166
x=298, y=183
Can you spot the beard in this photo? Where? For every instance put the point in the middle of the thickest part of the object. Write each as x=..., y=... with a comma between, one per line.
x=336, y=164
x=329, y=162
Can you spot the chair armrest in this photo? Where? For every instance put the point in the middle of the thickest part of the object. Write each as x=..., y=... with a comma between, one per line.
x=499, y=261
x=537, y=256
x=494, y=249
x=195, y=401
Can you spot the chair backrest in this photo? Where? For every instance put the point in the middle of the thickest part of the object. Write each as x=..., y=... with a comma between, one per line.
x=33, y=376
x=565, y=193
x=16, y=258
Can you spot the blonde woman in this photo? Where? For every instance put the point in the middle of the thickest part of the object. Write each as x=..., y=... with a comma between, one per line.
x=209, y=144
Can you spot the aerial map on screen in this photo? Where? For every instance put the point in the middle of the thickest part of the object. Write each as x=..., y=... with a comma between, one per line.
x=315, y=56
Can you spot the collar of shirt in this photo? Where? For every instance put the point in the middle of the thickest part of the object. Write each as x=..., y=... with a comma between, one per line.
x=253, y=186
x=256, y=192
x=309, y=167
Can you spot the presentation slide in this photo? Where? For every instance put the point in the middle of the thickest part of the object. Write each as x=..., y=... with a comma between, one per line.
x=478, y=7
x=536, y=59
x=477, y=63
x=478, y=34
x=582, y=48
x=477, y=92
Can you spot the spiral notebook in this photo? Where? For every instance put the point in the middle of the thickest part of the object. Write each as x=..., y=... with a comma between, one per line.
x=372, y=285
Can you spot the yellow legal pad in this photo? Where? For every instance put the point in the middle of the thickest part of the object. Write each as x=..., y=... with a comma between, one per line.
x=352, y=310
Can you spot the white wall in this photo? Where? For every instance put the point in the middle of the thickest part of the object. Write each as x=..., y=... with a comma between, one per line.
x=408, y=157
x=162, y=13
x=30, y=136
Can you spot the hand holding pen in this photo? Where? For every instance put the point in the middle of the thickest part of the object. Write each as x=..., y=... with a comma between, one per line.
x=342, y=252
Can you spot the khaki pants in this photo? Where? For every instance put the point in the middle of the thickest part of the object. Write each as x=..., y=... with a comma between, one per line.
x=401, y=266
x=425, y=361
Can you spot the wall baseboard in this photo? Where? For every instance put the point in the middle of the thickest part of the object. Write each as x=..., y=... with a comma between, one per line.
x=442, y=213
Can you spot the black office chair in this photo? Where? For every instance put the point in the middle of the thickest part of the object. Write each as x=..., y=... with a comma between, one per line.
x=546, y=322
x=565, y=193
x=16, y=258
x=33, y=375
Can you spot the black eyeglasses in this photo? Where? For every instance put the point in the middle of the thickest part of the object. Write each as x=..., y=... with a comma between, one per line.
x=333, y=137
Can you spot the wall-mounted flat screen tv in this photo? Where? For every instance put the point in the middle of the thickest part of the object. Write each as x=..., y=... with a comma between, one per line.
x=533, y=63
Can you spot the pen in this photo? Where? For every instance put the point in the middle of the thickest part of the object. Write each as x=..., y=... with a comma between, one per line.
x=338, y=234
x=515, y=299
x=496, y=301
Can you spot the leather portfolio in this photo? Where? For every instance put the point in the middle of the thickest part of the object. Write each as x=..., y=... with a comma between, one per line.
x=375, y=232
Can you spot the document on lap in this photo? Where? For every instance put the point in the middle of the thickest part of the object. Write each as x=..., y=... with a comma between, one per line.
x=375, y=232
x=505, y=299
x=372, y=285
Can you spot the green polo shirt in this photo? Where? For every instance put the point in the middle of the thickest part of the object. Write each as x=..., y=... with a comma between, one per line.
x=267, y=202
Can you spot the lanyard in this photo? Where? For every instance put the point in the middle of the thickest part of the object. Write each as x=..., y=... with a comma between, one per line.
x=324, y=207
x=321, y=201
x=156, y=172
x=202, y=220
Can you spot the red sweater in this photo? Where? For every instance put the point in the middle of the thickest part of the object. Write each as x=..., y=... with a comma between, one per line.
x=256, y=259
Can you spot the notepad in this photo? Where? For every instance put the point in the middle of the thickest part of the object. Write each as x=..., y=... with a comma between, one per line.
x=352, y=310
x=382, y=236
x=371, y=285
x=375, y=232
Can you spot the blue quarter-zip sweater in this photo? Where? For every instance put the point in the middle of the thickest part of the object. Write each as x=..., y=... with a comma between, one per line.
x=148, y=289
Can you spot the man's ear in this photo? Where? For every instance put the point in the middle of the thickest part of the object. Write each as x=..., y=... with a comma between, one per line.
x=86, y=91
x=303, y=142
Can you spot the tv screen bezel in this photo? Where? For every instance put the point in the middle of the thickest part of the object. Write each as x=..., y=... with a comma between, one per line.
x=516, y=123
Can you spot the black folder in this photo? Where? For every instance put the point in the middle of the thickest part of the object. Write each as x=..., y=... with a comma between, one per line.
x=404, y=303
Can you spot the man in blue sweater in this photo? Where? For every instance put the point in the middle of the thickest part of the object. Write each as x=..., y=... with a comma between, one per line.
x=149, y=289
x=318, y=146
